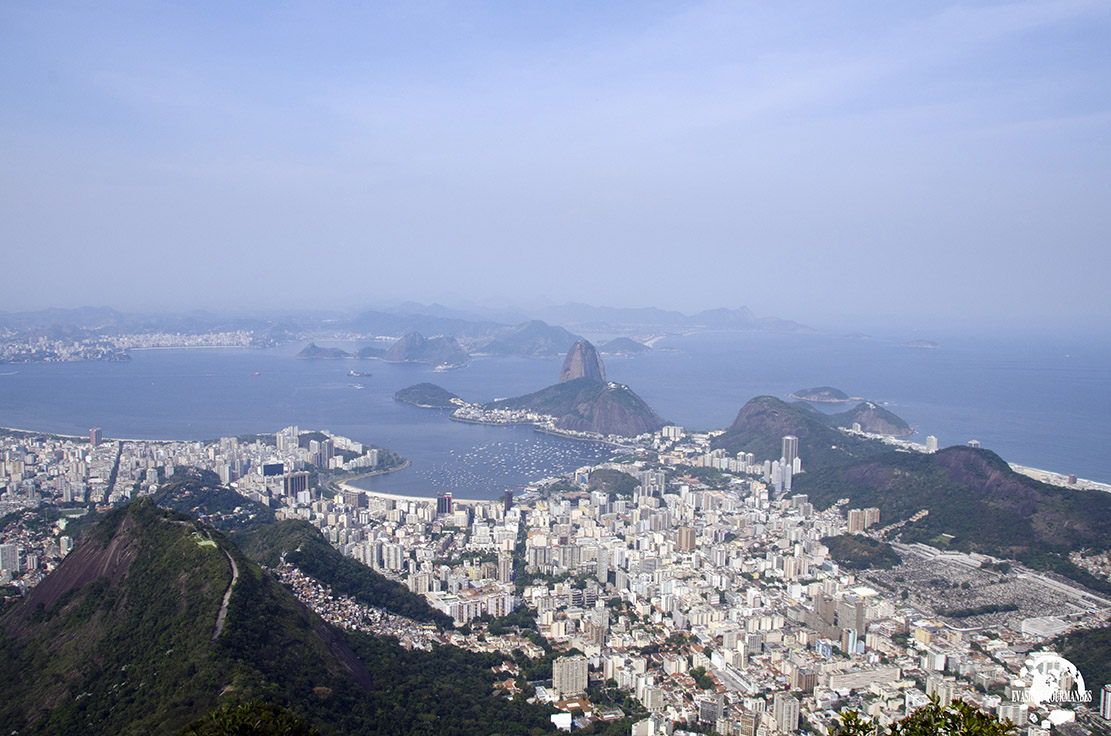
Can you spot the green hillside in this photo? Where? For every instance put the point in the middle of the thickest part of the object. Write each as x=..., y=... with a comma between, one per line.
x=120, y=638
x=125, y=637
x=762, y=423
x=858, y=552
x=872, y=418
x=305, y=547
x=974, y=496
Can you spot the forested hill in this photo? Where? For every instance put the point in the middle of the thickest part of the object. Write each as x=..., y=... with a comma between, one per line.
x=125, y=637
x=762, y=423
x=253, y=528
x=973, y=496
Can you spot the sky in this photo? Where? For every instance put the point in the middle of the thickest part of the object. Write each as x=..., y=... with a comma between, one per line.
x=812, y=160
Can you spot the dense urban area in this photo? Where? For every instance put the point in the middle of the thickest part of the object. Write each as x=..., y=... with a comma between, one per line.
x=677, y=586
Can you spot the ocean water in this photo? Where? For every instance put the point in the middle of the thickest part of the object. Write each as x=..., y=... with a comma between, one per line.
x=1044, y=403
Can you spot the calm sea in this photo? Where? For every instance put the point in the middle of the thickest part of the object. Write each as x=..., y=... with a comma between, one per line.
x=1044, y=403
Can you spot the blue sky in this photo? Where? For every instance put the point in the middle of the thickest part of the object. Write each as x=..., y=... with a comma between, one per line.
x=813, y=160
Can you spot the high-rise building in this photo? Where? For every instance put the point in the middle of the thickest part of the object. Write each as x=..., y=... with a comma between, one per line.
x=685, y=538
x=443, y=504
x=790, y=449
x=931, y=444
x=507, y=500
x=295, y=483
x=9, y=557
x=505, y=568
x=95, y=436
x=786, y=712
x=1105, y=702
x=709, y=708
x=569, y=675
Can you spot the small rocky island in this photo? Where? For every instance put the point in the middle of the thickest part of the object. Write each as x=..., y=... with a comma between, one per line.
x=824, y=395
x=429, y=396
x=312, y=351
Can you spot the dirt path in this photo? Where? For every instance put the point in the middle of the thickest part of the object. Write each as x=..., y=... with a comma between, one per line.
x=227, y=597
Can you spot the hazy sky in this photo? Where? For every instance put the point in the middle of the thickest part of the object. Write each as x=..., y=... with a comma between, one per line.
x=804, y=158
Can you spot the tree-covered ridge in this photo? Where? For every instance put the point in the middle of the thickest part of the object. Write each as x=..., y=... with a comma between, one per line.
x=123, y=639
x=306, y=548
x=858, y=552
x=105, y=643
x=971, y=494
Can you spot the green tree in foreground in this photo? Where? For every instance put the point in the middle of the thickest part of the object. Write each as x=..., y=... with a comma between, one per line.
x=956, y=719
x=251, y=719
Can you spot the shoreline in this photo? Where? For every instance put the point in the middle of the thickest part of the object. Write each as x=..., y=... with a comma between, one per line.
x=346, y=485
x=1050, y=477
x=540, y=429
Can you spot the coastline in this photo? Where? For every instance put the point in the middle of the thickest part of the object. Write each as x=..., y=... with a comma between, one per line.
x=346, y=485
x=195, y=347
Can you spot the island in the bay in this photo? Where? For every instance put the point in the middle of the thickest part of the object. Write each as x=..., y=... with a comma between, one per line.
x=582, y=404
x=429, y=396
x=824, y=395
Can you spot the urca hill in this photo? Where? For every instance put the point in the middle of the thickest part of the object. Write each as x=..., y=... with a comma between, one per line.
x=585, y=401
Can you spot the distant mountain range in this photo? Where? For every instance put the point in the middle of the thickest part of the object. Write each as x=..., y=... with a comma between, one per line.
x=584, y=317
x=503, y=333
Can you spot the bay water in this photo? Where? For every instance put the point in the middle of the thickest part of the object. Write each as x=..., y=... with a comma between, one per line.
x=1043, y=402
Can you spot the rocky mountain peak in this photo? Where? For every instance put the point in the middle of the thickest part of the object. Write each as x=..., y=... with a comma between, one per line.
x=582, y=361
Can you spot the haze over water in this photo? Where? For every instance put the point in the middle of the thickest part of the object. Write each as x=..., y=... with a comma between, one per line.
x=1043, y=404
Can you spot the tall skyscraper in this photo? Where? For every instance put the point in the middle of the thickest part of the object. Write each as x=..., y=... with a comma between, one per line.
x=443, y=504
x=1105, y=702
x=505, y=568
x=790, y=449
x=95, y=436
x=507, y=500
x=931, y=444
